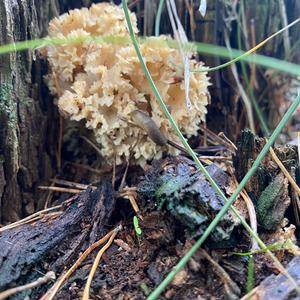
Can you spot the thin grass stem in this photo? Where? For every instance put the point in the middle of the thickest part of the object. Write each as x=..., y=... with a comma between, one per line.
x=252, y=49
x=155, y=294
x=158, y=17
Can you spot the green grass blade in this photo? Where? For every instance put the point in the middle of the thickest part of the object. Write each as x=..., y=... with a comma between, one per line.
x=228, y=203
x=208, y=49
x=272, y=247
x=250, y=275
x=158, y=17
x=39, y=43
x=204, y=48
x=253, y=49
x=264, y=61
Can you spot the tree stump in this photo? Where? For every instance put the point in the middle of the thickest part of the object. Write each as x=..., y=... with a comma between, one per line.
x=28, y=118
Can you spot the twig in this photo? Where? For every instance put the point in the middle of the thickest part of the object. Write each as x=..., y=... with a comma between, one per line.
x=252, y=217
x=55, y=288
x=49, y=276
x=30, y=218
x=86, y=291
x=130, y=194
x=123, y=245
x=72, y=184
x=133, y=4
x=223, y=136
x=218, y=137
x=133, y=203
x=222, y=274
x=92, y=144
x=60, y=189
x=124, y=177
x=49, y=196
x=284, y=171
x=250, y=294
x=214, y=157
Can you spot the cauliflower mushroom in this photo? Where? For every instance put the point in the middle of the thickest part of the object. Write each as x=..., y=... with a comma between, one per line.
x=104, y=84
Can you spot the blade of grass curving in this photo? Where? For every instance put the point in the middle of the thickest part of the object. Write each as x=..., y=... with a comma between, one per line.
x=249, y=51
x=208, y=49
x=228, y=203
x=39, y=43
x=158, y=17
x=264, y=61
x=250, y=275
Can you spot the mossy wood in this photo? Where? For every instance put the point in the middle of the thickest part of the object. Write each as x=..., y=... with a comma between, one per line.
x=269, y=188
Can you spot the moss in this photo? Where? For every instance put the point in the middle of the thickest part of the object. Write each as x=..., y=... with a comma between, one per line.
x=7, y=104
x=272, y=203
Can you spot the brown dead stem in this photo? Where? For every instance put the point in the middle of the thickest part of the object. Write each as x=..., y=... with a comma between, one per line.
x=288, y=176
x=8, y=293
x=86, y=291
x=72, y=184
x=55, y=288
x=229, y=285
x=60, y=189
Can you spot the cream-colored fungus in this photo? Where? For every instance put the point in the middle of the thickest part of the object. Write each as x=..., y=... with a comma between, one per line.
x=104, y=83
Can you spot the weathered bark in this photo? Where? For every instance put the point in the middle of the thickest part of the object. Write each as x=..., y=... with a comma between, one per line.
x=54, y=241
x=248, y=148
x=278, y=287
x=28, y=119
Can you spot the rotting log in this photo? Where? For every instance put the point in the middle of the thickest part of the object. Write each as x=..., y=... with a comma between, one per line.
x=54, y=241
x=278, y=287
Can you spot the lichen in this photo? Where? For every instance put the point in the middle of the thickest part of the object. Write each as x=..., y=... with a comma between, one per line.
x=7, y=105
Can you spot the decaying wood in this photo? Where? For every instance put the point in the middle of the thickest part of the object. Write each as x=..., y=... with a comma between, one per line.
x=269, y=187
x=278, y=287
x=26, y=114
x=28, y=117
x=51, y=243
x=249, y=147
